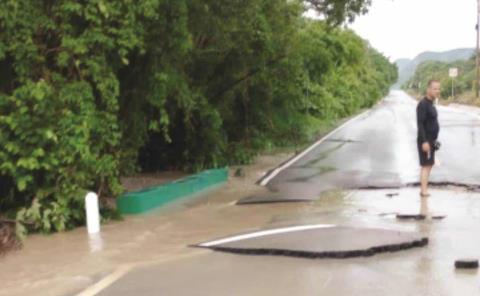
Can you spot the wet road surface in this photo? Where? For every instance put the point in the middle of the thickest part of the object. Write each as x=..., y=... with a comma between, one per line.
x=378, y=150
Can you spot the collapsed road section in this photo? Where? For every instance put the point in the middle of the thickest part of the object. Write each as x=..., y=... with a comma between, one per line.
x=318, y=241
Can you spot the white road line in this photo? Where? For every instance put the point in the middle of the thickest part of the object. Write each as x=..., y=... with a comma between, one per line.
x=106, y=282
x=264, y=233
x=286, y=165
x=125, y=268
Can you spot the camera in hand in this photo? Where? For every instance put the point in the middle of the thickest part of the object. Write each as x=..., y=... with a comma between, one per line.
x=436, y=145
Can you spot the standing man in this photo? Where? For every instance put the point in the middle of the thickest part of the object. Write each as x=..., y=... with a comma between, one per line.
x=428, y=128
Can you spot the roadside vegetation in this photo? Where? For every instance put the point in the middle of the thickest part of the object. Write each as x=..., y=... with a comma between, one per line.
x=94, y=90
x=463, y=85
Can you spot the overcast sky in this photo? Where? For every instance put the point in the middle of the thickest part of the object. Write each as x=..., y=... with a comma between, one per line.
x=405, y=28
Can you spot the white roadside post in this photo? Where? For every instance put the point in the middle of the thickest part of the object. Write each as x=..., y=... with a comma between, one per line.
x=93, y=213
x=453, y=72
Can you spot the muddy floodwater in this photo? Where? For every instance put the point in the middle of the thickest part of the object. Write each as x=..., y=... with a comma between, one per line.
x=63, y=264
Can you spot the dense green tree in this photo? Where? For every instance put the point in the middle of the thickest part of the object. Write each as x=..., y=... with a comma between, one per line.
x=93, y=90
x=338, y=11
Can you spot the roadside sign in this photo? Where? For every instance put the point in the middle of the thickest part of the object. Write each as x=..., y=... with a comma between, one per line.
x=453, y=72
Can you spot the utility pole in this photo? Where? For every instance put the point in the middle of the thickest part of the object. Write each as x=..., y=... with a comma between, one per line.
x=477, y=52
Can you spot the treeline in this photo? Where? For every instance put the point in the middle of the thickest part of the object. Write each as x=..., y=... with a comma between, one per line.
x=463, y=84
x=94, y=90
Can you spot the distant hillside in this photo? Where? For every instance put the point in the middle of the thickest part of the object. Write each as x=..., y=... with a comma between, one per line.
x=406, y=67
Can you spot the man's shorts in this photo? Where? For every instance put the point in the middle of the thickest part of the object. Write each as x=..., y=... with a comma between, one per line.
x=426, y=159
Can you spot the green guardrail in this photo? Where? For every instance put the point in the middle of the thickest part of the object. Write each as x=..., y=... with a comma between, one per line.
x=153, y=197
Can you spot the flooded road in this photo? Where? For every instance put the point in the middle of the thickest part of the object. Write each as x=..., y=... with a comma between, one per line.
x=421, y=271
x=65, y=263
x=150, y=254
